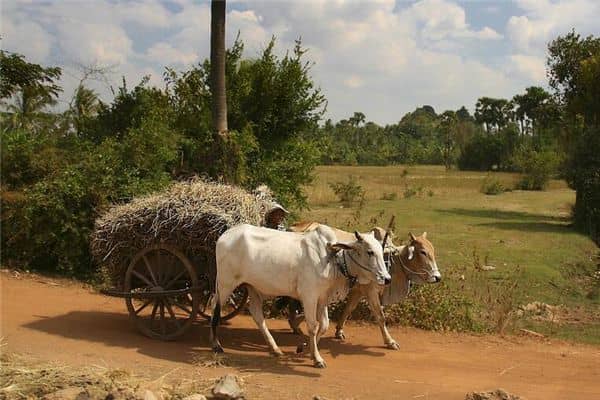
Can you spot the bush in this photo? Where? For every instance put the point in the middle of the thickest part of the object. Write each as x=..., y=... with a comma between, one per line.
x=485, y=152
x=492, y=186
x=409, y=192
x=431, y=307
x=537, y=167
x=348, y=192
x=389, y=196
x=584, y=177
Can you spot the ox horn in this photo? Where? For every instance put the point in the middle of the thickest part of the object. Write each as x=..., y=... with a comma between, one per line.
x=387, y=232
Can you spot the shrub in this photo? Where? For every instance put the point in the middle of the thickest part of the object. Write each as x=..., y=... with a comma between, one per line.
x=389, y=196
x=537, y=167
x=348, y=192
x=431, y=307
x=492, y=186
x=409, y=192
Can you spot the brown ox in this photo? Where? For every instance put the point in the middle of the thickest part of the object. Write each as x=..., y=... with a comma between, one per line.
x=414, y=262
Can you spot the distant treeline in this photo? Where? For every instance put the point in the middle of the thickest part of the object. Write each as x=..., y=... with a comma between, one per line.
x=495, y=137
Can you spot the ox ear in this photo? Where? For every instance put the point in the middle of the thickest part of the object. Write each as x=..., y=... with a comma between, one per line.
x=379, y=233
x=358, y=236
x=424, y=235
x=335, y=247
x=412, y=237
x=411, y=252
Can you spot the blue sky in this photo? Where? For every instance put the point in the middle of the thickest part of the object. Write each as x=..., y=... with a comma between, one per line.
x=381, y=57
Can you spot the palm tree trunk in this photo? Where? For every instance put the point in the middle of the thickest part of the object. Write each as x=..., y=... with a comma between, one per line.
x=217, y=66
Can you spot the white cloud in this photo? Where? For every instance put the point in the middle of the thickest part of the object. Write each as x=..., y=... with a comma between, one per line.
x=354, y=81
x=380, y=57
x=165, y=53
x=443, y=19
x=16, y=34
x=94, y=43
x=543, y=20
x=530, y=67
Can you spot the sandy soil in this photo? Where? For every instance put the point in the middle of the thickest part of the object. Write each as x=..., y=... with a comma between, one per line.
x=66, y=322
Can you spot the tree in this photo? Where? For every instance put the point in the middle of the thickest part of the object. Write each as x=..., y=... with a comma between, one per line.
x=448, y=127
x=84, y=105
x=574, y=71
x=26, y=89
x=493, y=113
x=463, y=114
x=17, y=74
x=530, y=108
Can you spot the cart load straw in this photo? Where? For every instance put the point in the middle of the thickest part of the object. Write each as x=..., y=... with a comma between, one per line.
x=189, y=215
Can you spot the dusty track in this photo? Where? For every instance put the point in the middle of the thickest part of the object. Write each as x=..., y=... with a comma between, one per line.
x=71, y=324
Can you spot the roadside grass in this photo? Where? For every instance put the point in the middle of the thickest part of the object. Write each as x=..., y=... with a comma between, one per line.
x=525, y=235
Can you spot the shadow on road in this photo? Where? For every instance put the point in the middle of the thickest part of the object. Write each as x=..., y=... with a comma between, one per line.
x=245, y=347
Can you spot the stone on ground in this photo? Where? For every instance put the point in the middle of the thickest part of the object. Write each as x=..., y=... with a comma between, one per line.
x=228, y=388
x=498, y=394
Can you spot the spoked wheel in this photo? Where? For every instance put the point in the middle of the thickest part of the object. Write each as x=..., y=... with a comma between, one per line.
x=160, y=277
x=232, y=307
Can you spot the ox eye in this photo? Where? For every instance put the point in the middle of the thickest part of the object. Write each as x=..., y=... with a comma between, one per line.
x=424, y=253
x=371, y=253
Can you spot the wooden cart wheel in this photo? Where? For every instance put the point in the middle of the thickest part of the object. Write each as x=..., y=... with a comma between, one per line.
x=232, y=307
x=156, y=269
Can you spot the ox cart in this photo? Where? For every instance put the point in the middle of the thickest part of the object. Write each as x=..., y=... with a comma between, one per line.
x=158, y=252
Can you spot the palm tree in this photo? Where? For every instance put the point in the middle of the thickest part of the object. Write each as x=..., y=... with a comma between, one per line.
x=217, y=66
x=85, y=104
x=28, y=107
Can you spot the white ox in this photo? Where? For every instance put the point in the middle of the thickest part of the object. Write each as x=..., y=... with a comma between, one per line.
x=312, y=268
x=414, y=263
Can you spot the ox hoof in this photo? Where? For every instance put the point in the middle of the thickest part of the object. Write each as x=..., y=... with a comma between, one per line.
x=339, y=334
x=393, y=346
x=217, y=349
x=300, y=348
x=277, y=353
x=320, y=364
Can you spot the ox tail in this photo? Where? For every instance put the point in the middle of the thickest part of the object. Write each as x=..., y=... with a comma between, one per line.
x=214, y=325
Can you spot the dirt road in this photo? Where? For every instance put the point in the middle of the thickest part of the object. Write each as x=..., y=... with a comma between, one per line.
x=62, y=321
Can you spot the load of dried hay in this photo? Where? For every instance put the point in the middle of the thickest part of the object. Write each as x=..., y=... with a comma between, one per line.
x=189, y=215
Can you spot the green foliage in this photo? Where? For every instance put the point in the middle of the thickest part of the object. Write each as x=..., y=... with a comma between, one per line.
x=421, y=136
x=25, y=157
x=482, y=153
x=435, y=307
x=432, y=307
x=348, y=192
x=537, y=166
x=574, y=71
x=486, y=152
x=16, y=75
x=492, y=186
x=532, y=108
x=410, y=192
x=492, y=113
x=64, y=169
x=584, y=175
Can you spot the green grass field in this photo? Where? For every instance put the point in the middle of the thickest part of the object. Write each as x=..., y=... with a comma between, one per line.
x=525, y=235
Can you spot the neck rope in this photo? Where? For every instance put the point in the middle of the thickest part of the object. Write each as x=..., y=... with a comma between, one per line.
x=408, y=270
x=343, y=266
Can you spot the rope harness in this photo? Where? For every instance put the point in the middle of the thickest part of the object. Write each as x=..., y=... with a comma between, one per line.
x=343, y=265
x=410, y=271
